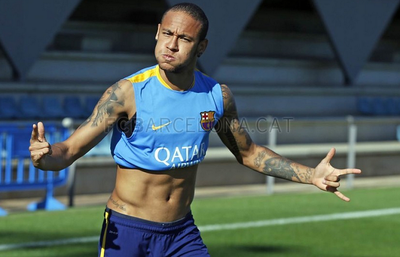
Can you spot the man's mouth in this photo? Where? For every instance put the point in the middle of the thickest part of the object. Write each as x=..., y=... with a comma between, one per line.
x=168, y=57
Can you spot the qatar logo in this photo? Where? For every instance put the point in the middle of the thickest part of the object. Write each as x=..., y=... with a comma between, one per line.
x=207, y=120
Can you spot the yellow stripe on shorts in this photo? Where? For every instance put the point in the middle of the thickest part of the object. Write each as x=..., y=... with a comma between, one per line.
x=103, y=243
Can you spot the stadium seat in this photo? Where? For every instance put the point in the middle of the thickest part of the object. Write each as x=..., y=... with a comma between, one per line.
x=52, y=107
x=365, y=105
x=397, y=106
x=390, y=106
x=379, y=106
x=90, y=103
x=73, y=107
x=30, y=107
x=8, y=108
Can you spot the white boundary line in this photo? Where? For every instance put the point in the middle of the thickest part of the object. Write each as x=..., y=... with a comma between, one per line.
x=231, y=226
x=304, y=219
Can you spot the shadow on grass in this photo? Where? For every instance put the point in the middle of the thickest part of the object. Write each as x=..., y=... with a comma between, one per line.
x=81, y=250
x=254, y=250
x=22, y=237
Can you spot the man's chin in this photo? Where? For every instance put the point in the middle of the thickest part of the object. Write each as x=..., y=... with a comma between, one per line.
x=168, y=68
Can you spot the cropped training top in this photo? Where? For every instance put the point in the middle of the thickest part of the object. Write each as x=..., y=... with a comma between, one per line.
x=171, y=127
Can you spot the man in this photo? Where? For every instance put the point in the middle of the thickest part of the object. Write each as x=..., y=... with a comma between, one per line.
x=162, y=117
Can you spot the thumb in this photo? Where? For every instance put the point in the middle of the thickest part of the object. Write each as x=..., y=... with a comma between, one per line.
x=41, y=132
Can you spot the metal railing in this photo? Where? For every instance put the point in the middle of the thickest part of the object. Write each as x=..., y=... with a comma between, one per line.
x=17, y=172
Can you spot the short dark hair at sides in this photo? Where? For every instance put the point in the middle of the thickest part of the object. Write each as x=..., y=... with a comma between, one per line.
x=195, y=12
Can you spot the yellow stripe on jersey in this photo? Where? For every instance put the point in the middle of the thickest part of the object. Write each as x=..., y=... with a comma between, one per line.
x=150, y=73
x=147, y=74
x=161, y=79
x=143, y=76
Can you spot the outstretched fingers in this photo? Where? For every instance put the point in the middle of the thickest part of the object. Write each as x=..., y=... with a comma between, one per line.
x=41, y=136
x=333, y=178
x=327, y=178
x=333, y=189
x=348, y=171
x=39, y=147
x=34, y=134
x=332, y=181
x=38, y=133
x=330, y=155
x=340, y=195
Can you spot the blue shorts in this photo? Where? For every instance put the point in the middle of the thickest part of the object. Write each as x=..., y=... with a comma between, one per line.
x=126, y=236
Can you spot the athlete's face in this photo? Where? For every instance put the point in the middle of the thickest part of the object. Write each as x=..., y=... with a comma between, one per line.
x=178, y=43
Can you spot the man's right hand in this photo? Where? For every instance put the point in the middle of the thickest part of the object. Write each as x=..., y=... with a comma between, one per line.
x=39, y=147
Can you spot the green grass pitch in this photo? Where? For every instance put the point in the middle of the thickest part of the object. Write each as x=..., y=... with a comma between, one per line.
x=362, y=237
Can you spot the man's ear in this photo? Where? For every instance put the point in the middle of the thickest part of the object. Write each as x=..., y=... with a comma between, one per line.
x=202, y=47
x=158, y=31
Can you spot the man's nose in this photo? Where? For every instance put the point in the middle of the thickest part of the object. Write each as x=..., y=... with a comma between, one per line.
x=173, y=44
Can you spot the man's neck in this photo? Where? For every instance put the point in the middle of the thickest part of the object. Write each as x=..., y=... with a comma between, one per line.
x=178, y=81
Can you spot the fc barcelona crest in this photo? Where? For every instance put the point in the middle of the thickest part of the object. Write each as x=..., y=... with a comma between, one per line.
x=207, y=120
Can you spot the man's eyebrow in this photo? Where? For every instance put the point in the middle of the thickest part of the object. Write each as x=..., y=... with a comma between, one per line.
x=166, y=30
x=183, y=35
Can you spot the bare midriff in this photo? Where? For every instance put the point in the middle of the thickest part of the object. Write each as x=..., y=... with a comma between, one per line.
x=159, y=196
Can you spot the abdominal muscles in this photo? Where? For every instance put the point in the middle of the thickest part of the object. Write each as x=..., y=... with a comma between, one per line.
x=160, y=196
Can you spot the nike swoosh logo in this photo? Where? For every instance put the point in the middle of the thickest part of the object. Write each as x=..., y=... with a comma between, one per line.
x=153, y=127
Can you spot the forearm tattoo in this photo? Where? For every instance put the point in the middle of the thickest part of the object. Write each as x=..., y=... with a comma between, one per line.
x=278, y=166
x=281, y=168
x=306, y=176
x=236, y=138
x=259, y=158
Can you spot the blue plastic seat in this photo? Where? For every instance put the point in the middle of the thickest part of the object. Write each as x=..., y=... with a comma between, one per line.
x=390, y=106
x=8, y=108
x=30, y=107
x=379, y=106
x=365, y=105
x=73, y=108
x=90, y=103
x=396, y=106
x=52, y=107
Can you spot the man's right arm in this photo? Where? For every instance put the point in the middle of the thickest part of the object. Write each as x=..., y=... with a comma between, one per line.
x=116, y=102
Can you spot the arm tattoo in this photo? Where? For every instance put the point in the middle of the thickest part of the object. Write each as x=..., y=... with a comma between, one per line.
x=236, y=136
x=106, y=103
x=233, y=146
x=105, y=106
x=259, y=158
x=244, y=140
x=85, y=122
x=229, y=102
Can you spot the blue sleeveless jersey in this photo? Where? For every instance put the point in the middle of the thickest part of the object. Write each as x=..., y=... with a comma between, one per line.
x=172, y=127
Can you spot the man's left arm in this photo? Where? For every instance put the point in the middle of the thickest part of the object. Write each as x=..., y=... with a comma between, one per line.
x=266, y=161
